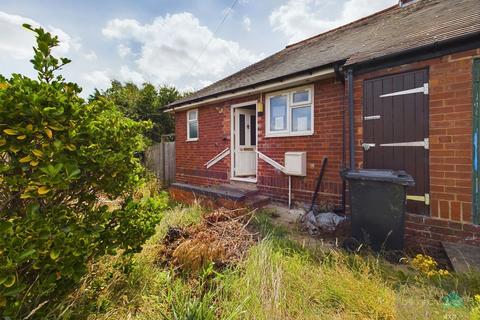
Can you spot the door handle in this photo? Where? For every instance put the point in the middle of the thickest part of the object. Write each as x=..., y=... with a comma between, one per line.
x=367, y=146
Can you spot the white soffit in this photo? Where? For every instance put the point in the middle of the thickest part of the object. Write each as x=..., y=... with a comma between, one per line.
x=294, y=81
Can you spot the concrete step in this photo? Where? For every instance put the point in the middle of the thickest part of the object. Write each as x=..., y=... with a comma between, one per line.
x=463, y=257
x=257, y=201
x=226, y=195
x=213, y=191
x=249, y=189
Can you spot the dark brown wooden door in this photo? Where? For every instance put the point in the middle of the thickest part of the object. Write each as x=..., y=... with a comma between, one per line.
x=395, y=124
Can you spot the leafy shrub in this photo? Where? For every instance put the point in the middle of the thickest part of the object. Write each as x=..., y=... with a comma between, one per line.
x=144, y=103
x=57, y=154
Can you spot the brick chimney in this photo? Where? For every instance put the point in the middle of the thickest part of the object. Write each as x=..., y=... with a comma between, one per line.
x=404, y=3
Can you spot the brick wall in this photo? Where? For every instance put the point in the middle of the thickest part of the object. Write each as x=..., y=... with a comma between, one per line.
x=214, y=137
x=450, y=128
x=326, y=142
x=192, y=155
x=450, y=124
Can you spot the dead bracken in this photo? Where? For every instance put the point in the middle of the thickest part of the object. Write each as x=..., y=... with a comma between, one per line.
x=222, y=238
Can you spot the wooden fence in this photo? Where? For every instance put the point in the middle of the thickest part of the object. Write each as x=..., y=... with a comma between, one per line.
x=160, y=159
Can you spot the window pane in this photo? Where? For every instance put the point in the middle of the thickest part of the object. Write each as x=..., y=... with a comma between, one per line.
x=278, y=113
x=300, y=96
x=302, y=119
x=193, y=127
x=241, y=124
x=253, y=130
x=192, y=115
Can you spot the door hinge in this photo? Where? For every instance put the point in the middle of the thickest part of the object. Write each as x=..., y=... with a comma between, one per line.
x=423, y=89
x=425, y=144
x=425, y=199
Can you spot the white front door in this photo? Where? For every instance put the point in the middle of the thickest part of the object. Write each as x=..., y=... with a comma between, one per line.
x=245, y=142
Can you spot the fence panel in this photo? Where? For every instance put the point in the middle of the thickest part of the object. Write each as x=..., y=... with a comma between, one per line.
x=169, y=156
x=160, y=159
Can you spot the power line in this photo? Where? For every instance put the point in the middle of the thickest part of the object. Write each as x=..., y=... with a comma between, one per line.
x=225, y=16
x=229, y=11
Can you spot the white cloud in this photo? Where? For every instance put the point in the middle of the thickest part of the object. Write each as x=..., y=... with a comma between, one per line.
x=300, y=19
x=177, y=49
x=98, y=78
x=17, y=42
x=123, y=50
x=90, y=56
x=128, y=75
x=247, y=24
x=67, y=43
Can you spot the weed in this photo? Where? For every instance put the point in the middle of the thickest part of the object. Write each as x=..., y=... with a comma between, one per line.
x=428, y=266
x=286, y=284
x=278, y=279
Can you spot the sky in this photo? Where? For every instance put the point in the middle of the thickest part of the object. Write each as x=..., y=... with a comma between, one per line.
x=186, y=44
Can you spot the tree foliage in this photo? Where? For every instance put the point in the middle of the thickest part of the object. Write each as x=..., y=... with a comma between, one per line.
x=57, y=154
x=144, y=103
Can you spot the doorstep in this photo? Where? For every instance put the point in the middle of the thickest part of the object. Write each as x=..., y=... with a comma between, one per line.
x=231, y=196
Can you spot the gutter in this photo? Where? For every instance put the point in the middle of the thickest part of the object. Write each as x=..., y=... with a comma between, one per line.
x=425, y=52
x=351, y=118
x=278, y=84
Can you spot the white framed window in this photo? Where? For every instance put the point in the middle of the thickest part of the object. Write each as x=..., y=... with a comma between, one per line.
x=192, y=125
x=290, y=112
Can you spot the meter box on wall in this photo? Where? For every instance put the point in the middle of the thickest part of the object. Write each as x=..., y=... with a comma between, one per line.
x=296, y=163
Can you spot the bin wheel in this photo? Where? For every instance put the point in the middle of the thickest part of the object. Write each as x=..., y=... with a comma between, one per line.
x=351, y=245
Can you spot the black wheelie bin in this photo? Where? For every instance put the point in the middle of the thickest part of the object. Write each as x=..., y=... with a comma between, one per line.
x=377, y=206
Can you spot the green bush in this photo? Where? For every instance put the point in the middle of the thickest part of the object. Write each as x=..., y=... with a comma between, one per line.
x=146, y=102
x=57, y=155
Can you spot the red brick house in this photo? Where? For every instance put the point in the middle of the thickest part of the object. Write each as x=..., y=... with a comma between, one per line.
x=399, y=89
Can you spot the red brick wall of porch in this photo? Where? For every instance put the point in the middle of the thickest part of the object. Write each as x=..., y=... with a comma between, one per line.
x=325, y=142
x=214, y=137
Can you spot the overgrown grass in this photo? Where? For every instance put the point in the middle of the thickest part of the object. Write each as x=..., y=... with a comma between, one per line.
x=143, y=291
x=284, y=284
x=278, y=280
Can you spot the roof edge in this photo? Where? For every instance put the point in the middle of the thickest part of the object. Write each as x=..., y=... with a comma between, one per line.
x=255, y=85
x=320, y=73
x=457, y=44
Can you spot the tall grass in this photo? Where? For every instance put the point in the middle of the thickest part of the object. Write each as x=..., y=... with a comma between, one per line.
x=278, y=280
x=145, y=291
x=282, y=284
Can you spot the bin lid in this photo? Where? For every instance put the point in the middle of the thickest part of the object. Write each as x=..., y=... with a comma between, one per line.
x=392, y=176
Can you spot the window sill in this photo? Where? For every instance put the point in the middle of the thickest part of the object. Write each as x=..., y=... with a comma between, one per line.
x=191, y=140
x=283, y=135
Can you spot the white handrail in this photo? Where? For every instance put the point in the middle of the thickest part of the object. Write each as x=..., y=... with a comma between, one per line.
x=217, y=158
x=271, y=162
x=278, y=166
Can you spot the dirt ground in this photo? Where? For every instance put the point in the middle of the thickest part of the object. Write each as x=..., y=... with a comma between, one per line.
x=289, y=219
